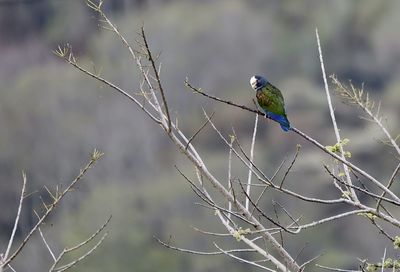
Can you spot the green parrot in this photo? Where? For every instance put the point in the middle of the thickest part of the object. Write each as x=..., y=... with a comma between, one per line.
x=270, y=100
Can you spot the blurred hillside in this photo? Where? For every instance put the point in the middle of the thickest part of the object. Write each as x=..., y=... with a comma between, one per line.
x=51, y=116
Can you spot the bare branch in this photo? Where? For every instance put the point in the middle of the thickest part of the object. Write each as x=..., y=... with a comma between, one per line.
x=279, y=231
x=96, y=155
x=11, y=240
x=67, y=250
x=266, y=186
x=253, y=140
x=262, y=212
x=356, y=96
x=306, y=137
x=331, y=218
x=203, y=195
x=167, y=245
x=391, y=180
x=383, y=259
x=295, y=221
x=375, y=196
x=160, y=88
x=73, y=263
x=199, y=130
x=352, y=166
x=263, y=177
x=47, y=245
x=230, y=172
x=78, y=246
x=134, y=56
x=113, y=86
x=226, y=252
x=236, y=209
x=291, y=165
x=311, y=260
x=281, y=251
x=381, y=230
x=251, y=243
x=200, y=91
x=210, y=233
x=335, y=127
x=335, y=269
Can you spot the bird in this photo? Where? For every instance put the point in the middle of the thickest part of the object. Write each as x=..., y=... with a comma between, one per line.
x=270, y=100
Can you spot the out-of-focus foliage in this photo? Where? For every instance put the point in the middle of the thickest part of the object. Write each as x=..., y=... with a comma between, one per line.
x=51, y=116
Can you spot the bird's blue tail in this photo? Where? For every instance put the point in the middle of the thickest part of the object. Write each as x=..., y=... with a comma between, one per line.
x=281, y=119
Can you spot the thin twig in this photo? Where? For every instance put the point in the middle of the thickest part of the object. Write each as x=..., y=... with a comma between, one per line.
x=250, y=163
x=247, y=164
x=301, y=251
x=277, y=219
x=291, y=165
x=251, y=243
x=361, y=189
x=226, y=252
x=47, y=245
x=262, y=212
x=199, y=91
x=335, y=127
x=167, y=245
x=73, y=263
x=311, y=260
x=289, y=262
x=267, y=180
x=210, y=233
x=203, y=195
x=133, y=53
x=372, y=212
x=253, y=140
x=381, y=230
x=357, y=96
x=328, y=219
x=111, y=85
x=335, y=269
x=383, y=260
x=199, y=130
x=354, y=167
x=9, y=266
x=96, y=155
x=295, y=221
x=230, y=172
x=11, y=240
x=158, y=80
x=91, y=237
x=391, y=180
x=266, y=186
x=81, y=244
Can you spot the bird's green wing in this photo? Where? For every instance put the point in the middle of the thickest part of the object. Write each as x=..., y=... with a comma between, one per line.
x=270, y=99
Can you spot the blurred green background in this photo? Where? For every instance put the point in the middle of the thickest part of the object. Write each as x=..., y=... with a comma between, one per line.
x=52, y=117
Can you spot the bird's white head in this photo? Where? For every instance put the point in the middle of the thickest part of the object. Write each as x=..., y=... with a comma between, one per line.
x=258, y=82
